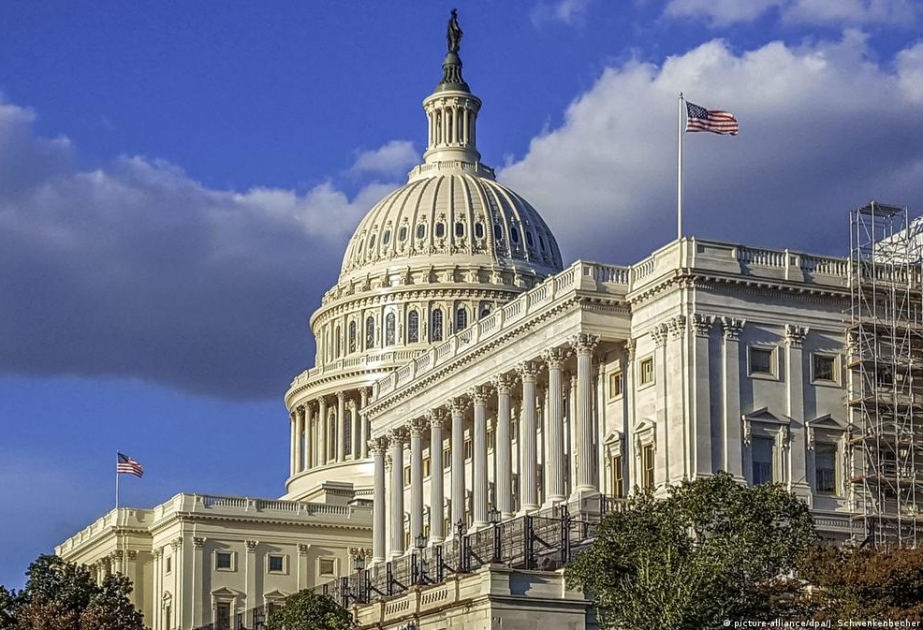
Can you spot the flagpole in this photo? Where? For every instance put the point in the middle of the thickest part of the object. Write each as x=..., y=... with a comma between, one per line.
x=116, y=481
x=679, y=170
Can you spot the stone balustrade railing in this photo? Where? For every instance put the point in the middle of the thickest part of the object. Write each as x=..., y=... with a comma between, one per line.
x=118, y=518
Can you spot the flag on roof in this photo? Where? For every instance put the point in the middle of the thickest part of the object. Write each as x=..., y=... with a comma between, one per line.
x=713, y=120
x=128, y=466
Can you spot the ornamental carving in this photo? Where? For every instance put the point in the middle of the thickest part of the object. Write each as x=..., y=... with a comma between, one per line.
x=417, y=426
x=251, y=545
x=503, y=383
x=630, y=346
x=555, y=358
x=528, y=371
x=702, y=324
x=377, y=445
x=479, y=395
x=176, y=543
x=795, y=335
x=436, y=418
x=659, y=335
x=457, y=405
x=678, y=326
x=198, y=542
x=584, y=343
x=731, y=327
x=397, y=437
x=303, y=549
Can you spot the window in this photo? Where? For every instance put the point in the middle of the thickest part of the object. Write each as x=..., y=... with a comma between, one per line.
x=413, y=327
x=406, y=475
x=761, y=450
x=459, y=229
x=446, y=458
x=824, y=368
x=386, y=238
x=530, y=240
x=646, y=371
x=223, y=560
x=427, y=466
x=276, y=564
x=479, y=230
x=461, y=319
x=498, y=232
x=469, y=449
x=326, y=566
x=514, y=235
x=337, y=342
x=348, y=431
x=618, y=482
x=352, y=336
x=541, y=242
x=390, y=329
x=369, y=332
x=440, y=230
x=647, y=467
x=825, y=468
x=223, y=615
x=761, y=361
x=436, y=325
x=402, y=233
x=485, y=311
x=615, y=384
x=169, y=564
x=421, y=230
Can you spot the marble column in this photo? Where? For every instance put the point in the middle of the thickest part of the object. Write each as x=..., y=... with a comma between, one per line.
x=363, y=424
x=796, y=445
x=341, y=427
x=457, y=409
x=199, y=570
x=299, y=435
x=554, y=469
x=308, y=438
x=503, y=449
x=396, y=438
x=294, y=441
x=417, y=426
x=378, y=446
x=584, y=345
x=731, y=440
x=479, y=396
x=704, y=456
x=355, y=435
x=437, y=533
x=322, y=431
x=528, y=482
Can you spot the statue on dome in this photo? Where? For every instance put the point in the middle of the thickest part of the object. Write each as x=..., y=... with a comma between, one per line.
x=453, y=33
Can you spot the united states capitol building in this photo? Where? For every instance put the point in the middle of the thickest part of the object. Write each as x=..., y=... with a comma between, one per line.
x=477, y=404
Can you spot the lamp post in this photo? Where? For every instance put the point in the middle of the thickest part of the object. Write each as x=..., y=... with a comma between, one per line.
x=359, y=566
x=494, y=517
x=419, y=560
x=460, y=529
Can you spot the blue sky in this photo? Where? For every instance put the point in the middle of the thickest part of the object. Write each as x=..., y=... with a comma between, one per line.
x=178, y=181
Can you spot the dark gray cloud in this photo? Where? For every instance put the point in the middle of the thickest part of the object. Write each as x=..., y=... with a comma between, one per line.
x=823, y=129
x=137, y=271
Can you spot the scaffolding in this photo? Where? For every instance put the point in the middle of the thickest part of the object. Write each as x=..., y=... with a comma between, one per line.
x=885, y=361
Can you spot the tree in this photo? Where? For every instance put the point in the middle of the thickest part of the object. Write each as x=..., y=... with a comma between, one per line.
x=110, y=608
x=713, y=550
x=7, y=609
x=306, y=610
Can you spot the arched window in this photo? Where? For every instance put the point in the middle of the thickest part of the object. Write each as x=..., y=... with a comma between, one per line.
x=461, y=319
x=459, y=229
x=530, y=240
x=336, y=343
x=348, y=429
x=413, y=327
x=514, y=235
x=386, y=238
x=372, y=242
x=485, y=311
x=498, y=232
x=479, y=230
x=402, y=233
x=421, y=230
x=440, y=230
x=390, y=329
x=369, y=332
x=352, y=336
x=436, y=325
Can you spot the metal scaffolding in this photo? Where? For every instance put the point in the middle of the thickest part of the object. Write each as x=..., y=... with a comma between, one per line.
x=885, y=362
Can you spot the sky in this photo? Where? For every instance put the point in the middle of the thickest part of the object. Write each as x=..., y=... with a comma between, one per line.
x=178, y=181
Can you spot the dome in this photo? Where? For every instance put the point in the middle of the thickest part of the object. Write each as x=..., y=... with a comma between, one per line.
x=453, y=214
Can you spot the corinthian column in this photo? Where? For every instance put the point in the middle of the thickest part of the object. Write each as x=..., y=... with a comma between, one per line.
x=528, y=483
x=322, y=431
x=363, y=425
x=299, y=432
x=457, y=408
x=397, y=438
x=554, y=477
x=503, y=449
x=479, y=395
x=437, y=469
x=378, y=446
x=584, y=345
x=294, y=441
x=341, y=427
x=417, y=426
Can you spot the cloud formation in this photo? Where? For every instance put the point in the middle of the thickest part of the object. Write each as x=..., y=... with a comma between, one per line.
x=562, y=11
x=820, y=12
x=138, y=271
x=823, y=128
x=394, y=158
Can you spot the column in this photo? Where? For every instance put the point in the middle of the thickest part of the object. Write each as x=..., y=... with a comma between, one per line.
x=308, y=439
x=554, y=470
x=436, y=420
x=733, y=458
x=251, y=568
x=584, y=345
x=199, y=569
x=457, y=409
x=341, y=427
x=528, y=482
x=299, y=432
x=479, y=396
x=377, y=446
x=157, y=600
x=355, y=435
x=396, y=439
x=363, y=424
x=291, y=458
x=322, y=431
x=503, y=449
x=796, y=445
x=417, y=426
x=703, y=455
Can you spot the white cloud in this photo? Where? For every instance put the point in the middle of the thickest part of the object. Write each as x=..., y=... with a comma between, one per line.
x=823, y=129
x=393, y=158
x=136, y=270
x=563, y=11
x=827, y=12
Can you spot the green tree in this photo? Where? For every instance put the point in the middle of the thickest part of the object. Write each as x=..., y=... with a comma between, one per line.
x=306, y=610
x=110, y=608
x=713, y=550
x=7, y=609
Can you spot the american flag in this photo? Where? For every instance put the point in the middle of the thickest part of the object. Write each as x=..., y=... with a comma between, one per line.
x=128, y=466
x=713, y=120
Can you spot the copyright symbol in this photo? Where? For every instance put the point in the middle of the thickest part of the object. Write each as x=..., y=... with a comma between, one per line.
x=727, y=623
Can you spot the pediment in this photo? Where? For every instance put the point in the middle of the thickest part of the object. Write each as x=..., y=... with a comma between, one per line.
x=274, y=595
x=825, y=422
x=614, y=437
x=765, y=416
x=223, y=593
x=645, y=425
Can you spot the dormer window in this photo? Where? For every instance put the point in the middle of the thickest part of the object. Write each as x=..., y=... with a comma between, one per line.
x=459, y=229
x=421, y=230
x=498, y=232
x=440, y=230
x=386, y=238
x=402, y=234
x=514, y=235
x=479, y=230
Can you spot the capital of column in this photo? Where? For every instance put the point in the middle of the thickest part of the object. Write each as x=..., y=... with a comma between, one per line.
x=301, y=409
x=503, y=383
x=555, y=358
x=397, y=436
x=702, y=324
x=251, y=545
x=378, y=445
x=117, y=554
x=177, y=543
x=158, y=553
x=528, y=371
x=732, y=327
x=795, y=335
x=659, y=335
x=584, y=343
x=457, y=405
x=303, y=549
x=630, y=346
x=677, y=326
x=198, y=542
x=479, y=394
x=341, y=396
x=436, y=418
x=417, y=426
